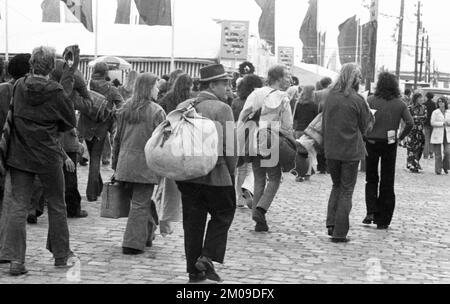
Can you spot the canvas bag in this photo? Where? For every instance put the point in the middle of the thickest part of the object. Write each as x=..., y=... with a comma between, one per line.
x=115, y=201
x=183, y=147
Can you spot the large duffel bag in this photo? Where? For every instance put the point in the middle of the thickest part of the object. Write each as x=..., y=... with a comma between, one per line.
x=183, y=147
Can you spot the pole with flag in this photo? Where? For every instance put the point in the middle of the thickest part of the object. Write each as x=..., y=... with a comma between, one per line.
x=96, y=29
x=172, y=56
x=6, y=32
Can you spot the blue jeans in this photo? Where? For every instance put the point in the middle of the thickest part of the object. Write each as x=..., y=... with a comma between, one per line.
x=263, y=196
x=344, y=176
x=15, y=211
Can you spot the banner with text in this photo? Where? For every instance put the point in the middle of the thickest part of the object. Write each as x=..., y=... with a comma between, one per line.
x=234, y=43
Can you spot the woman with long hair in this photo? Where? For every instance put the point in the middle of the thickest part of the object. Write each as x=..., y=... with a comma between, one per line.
x=346, y=120
x=181, y=91
x=136, y=122
x=415, y=142
x=305, y=111
x=381, y=145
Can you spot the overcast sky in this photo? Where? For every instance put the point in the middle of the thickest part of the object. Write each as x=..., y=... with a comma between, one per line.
x=195, y=17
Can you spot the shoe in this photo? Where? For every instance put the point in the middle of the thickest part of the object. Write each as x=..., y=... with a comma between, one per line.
x=4, y=262
x=199, y=278
x=261, y=227
x=240, y=202
x=131, y=251
x=330, y=230
x=370, y=218
x=300, y=179
x=337, y=241
x=32, y=219
x=106, y=162
x=431, y=156
x=149, y=244
x=446, y=171
x=260, y=219
x=82, y=214
x=91, y=199
x=382, y=227
x=206, y=266
x=17, y=269
x=248, y=198
x=66, y=262
x=83, y=162
x=438, y=173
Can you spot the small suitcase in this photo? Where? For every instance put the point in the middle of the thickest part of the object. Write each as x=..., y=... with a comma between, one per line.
x=115, y=201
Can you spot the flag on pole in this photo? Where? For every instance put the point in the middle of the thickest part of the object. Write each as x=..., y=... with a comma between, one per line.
x=347, y=40
x=368, y=49
x=267, y=23
x=155, y=12
x=73, y=11
x=308, y=34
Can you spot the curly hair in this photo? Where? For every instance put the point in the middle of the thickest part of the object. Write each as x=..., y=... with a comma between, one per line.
x=248, y=84
x=416, y=97
x=387, y=86
x=443, y=100
x=43, y=60
x=246, y=68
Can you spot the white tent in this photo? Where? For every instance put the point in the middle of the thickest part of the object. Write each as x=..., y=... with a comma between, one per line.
x=310, y=74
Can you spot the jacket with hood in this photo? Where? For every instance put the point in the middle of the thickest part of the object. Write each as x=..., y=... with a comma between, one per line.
x=89, y=129
x=42, y=109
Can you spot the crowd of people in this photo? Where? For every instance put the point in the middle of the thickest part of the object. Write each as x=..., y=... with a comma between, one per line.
x=47, y=105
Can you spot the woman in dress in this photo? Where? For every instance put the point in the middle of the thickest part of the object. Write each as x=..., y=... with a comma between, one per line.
x=415, y=143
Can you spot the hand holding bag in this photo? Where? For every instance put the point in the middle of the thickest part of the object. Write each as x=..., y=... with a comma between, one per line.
x=116, y=201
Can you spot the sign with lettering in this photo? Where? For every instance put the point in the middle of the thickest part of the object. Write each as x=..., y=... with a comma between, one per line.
x=286, y=56
x=234, y=43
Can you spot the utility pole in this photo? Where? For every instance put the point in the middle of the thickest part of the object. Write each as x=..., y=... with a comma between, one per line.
x=429, y=63
x=421, y=62
x=419, y=25
x=400, y=40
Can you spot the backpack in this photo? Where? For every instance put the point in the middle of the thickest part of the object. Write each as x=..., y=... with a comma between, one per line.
x=102, y=109
x=184, y=146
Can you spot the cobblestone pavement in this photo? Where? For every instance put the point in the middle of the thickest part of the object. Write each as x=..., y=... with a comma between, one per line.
x=297, y=250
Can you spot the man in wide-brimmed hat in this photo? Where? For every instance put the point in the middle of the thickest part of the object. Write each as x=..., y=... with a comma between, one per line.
x=214, y=193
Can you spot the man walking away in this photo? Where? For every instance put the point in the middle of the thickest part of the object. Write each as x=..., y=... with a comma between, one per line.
x=212, y=194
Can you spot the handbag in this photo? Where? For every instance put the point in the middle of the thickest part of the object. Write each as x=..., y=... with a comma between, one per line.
x=116, y=201
x=287, y=149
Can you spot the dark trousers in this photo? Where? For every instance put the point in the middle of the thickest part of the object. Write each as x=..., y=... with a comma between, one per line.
x=321, y=163
x=95, y=182
x=199, y=200
x=72, y=195
x=15, y=211
x=380, y=196
x=344, y=176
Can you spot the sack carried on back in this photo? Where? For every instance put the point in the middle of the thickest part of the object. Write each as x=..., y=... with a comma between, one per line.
x=183, y=147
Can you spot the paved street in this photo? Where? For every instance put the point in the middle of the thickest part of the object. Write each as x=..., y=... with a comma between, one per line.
x=297, y=250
